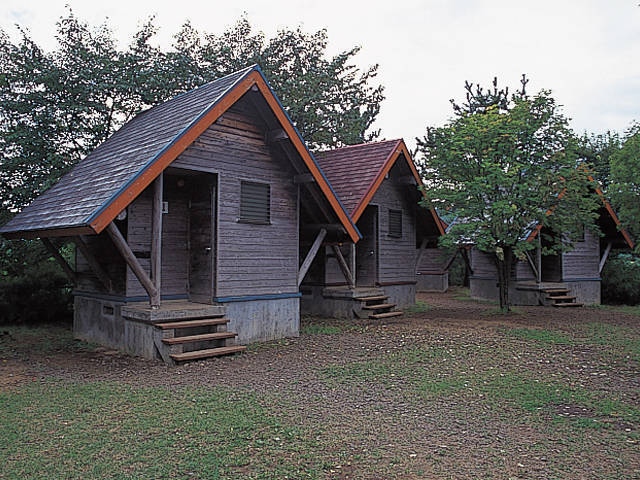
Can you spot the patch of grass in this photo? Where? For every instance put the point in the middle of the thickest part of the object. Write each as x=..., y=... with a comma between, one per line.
x=404, y=364
x=418, y=307
x=620, y=339
x=100, y=430
x=538, y=335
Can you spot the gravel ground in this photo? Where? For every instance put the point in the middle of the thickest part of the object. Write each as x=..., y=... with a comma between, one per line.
x=367, y=396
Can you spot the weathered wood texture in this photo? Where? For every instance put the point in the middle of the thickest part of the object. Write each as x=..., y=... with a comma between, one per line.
x=584, y=260
x=110, y=260
x=250, y=259
x=396, y=256
x=367, y=248
x=432, y=260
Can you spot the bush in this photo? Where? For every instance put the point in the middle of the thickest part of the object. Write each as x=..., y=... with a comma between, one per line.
x=41, y=294
x=621, y=279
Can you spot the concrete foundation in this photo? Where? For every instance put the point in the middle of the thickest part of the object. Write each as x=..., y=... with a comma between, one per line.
x=586, y=291
x=427, y=282
x=263, y=320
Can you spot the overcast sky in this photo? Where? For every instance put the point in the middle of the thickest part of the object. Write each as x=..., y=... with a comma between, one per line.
x=587, y=52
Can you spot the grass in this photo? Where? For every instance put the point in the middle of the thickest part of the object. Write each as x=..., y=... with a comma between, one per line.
x=550, y=337
x=102, y=430
x=418, y=307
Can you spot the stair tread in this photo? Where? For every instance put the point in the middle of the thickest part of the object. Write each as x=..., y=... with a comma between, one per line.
x=192, y=323
x=372, y=299
x=207, y=353
x=386, y=314
x=378, y=306
x=572, y=304
x=555, y=290
x=199, y=338
x=562, y=297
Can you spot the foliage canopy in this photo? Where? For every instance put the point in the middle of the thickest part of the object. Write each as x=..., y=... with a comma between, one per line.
x=506, y=165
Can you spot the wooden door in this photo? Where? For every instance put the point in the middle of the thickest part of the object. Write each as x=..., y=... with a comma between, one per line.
x=201, y=242
x=367, y=248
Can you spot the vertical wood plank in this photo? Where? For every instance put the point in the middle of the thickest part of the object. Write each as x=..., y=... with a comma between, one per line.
x=156, y=233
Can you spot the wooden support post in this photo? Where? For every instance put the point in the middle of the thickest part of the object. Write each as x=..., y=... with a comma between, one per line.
x=317, y=243
x=539, y=258
x=100, y=272
x=156, y=233
x=605, y=255
x=343, y=266
x=51, y=248
x=134, y=265
x=353, y=263
x=423, y=246
x=533, y=266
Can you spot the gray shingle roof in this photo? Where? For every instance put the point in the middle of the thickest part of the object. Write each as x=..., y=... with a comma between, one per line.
x=106, y=172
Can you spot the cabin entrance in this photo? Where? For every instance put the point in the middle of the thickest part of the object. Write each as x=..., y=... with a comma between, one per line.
x=202, y=214
x=551, y=265
x=367, y=248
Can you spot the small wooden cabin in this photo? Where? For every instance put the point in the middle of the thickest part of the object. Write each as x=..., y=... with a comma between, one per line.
x=187, y=223
x=569, y=278
x=378, y=185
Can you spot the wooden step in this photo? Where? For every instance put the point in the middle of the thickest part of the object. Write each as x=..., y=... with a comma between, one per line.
x=372, y=299
x=555, y=290
x=562, y=297
x=572, y=304
x=208, y=353
x=199, y=338
x=378, y=306
x=204, y=322
x=385, y=315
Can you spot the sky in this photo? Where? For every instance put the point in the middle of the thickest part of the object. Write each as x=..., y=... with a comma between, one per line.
x=587, y=52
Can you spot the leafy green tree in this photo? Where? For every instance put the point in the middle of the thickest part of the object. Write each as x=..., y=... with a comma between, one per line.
x=501, y=164
x=56, y=107
x=624, y=188
x=597, y=149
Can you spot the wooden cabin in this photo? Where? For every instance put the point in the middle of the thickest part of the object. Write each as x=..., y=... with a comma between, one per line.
x=187, y=223
x=378, y=185
x=570, y=278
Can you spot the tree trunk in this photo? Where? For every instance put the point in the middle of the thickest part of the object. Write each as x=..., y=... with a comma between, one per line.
x=503, y=258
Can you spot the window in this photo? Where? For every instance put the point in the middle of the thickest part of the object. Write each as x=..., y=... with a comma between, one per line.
x=395, y=223
x=255, y=203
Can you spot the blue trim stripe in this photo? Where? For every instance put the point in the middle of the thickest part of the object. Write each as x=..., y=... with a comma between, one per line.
x=251, y=298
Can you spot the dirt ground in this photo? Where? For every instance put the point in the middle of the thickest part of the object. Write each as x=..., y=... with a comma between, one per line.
x=373, y=425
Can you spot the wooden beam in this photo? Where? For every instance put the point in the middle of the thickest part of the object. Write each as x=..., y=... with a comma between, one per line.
x=605, y=255
x=134, y=265
x=539, y=258
x=343, y=266
x=313, y=251
x=353, y=263
x=100, y=272
x=156, y=233
x=51, y=248
x=533, y=266
x=303, y=178
x=423, y=245
x=277, y=135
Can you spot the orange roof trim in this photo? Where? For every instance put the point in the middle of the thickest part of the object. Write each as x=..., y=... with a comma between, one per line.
x=399, y=149
x=254, y=78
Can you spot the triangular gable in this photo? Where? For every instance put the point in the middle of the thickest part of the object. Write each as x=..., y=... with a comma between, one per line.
x=609, y=209
x=90, y=197
x=356, y=172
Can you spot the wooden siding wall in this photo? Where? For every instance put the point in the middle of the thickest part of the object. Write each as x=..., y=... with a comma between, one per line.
x=396, y=256
x=433, y=260
x=109, y=259
x=174, y=239
x=251, y=259
x=584, y=260
x=482, y=264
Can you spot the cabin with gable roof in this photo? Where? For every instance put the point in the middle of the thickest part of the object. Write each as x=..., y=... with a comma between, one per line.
x=379, y=186
x=566, y=279
x=188, y=224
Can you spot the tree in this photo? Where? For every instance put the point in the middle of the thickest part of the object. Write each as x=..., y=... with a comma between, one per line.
x=56, y=107
x=502, y=164
x=597, y=149
x=624, y=188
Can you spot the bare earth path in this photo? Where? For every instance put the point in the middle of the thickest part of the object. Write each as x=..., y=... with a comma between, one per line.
x=441, y=393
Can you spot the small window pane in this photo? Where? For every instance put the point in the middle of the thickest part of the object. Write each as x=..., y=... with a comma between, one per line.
x=255, y=202
x=395, y=223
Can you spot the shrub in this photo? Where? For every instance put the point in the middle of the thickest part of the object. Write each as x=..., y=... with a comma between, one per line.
x=621, y=279
x=41, y=294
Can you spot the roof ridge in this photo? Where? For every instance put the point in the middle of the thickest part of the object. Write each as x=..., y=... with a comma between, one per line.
x=360, y=145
